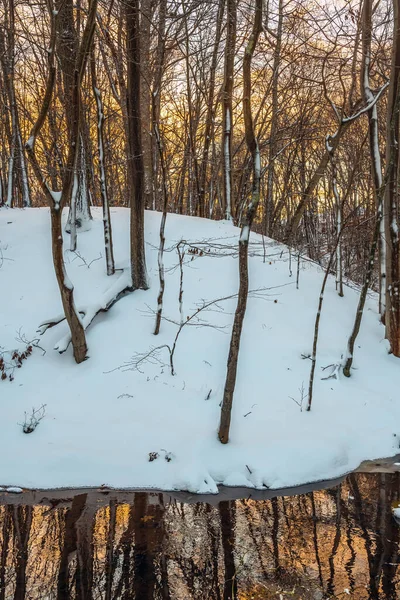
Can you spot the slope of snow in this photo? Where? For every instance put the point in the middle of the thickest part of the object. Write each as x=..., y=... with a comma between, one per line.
x=102, y=422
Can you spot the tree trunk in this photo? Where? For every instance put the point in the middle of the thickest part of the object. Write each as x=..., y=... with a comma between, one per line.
x=108, y=243
x=312, y=186
x=69, y=544
x=57, y=200
x=210, y=116
x=156, y=93
x=227, y=516
x=373, y=127
x=67, y=52
x=161, y=273
x=17, y=180
x=269, y=199
x=145, y=45
x=135, y=150
x=253, y=148
x=391, y=200
x=66, y=288
x=227, y=92
x=5, y=540
x=22, y=521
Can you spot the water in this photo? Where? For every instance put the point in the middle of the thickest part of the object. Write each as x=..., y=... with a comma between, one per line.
x=336, y=543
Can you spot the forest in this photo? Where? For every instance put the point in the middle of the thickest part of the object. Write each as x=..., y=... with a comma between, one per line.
x=174, y=170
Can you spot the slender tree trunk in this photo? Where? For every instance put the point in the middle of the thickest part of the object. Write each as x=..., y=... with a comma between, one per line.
x=17, y=179
x=376, y=168
x=84, y=552
x=11, y=164
x=5, y=540
x=108, y=243
x=227, y=93
x=226, y=512
x=391, y=200
x=317, y=320
x=57, y=200
x=363, y=294
x=67, y=51
x=210, y=116
x=339, y=220
x=66, y=288
x=110, y=560
x=251, y=210
x=1, y=190
x=390, y=166
x=135, y=150
x=312, y=186
x=145, y=45
x=269, y=198
x=156, y=92
x=69, y=544
x=193, y=107
x=161, y=274
x=22, y=521
x=145, y=549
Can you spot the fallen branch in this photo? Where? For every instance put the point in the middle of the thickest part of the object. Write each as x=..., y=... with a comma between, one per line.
x=87, y=314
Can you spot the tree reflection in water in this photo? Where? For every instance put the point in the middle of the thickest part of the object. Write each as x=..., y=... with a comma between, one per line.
x=335, y=543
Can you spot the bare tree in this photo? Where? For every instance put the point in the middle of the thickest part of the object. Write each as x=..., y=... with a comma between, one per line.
x=227, y=110
x=269, y=197
x=376, y=168
x=161, y=273
x=17, y=170
x=102, y=173
x=135, y=149
x=57, y=200
x=251, y=210
x=391, y=199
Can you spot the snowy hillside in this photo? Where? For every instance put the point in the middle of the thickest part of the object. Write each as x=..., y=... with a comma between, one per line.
x=102, y=422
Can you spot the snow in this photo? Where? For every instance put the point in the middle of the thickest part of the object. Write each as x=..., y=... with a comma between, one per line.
x=245, y=233
x=101, y=421
x=30, y=142
x=56, y=198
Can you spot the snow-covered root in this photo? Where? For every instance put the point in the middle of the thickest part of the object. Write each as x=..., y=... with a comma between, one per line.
x=118, y=289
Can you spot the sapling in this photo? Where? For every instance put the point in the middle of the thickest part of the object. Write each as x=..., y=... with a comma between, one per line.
x=152, y=355
x=160, y=258
x=32, y=421
x=302, y=397
x=85, y=263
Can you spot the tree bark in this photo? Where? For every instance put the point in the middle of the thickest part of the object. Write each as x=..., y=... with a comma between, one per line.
x=210, y=116
x=269, y=198
x=254, y=150
x=227, y=93
x=57, y=200
x=373, y=128
x=156, y=92
x=135, y=150
x=108, y=243
x=22, y=521
x=227, y=516
x=145, y=45
x=391, y=199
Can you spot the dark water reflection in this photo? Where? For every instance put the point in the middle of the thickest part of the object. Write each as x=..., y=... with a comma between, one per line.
x=336, y=543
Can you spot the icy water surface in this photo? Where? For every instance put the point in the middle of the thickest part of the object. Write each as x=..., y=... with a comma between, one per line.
x=341, y=542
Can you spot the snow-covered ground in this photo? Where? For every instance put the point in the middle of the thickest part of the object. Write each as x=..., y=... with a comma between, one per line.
x=102, y=422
